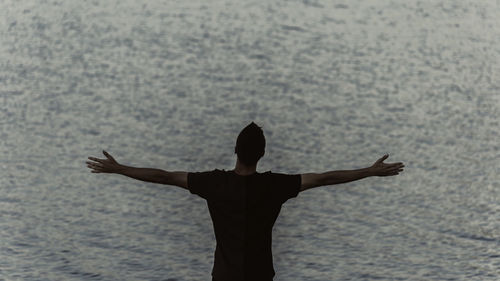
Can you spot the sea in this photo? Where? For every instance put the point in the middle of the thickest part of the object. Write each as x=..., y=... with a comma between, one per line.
x=169, y=84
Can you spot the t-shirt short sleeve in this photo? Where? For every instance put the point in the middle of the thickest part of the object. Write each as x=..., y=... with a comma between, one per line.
x=202, y=183
x=286, y=186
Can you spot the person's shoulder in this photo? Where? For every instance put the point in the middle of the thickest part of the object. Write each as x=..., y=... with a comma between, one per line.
x=279, y=173
x=207, y=172
x=218, y=171
x=284, y=178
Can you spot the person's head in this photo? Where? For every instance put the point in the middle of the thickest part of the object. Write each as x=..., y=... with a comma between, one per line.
x=250, y=145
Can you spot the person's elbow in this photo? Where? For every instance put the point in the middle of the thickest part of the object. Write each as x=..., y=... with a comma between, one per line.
x=178, y=178
x=311, y=180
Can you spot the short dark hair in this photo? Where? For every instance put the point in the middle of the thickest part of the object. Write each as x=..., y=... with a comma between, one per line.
x=250, y=145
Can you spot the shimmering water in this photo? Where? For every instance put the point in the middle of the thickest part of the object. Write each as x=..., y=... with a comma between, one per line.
x=169, y=84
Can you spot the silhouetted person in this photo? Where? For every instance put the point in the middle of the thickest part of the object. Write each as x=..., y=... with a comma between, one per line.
x=243, y=203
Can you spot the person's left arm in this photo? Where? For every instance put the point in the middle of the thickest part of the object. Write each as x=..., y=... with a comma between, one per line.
x=110, y=165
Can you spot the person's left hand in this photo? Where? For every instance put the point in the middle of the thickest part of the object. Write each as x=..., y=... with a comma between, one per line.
x=108, y=165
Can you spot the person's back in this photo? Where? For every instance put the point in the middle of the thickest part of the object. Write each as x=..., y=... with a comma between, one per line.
x=243, y=210
x=243, y=203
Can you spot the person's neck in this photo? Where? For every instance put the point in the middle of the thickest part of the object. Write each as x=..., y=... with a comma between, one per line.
x=244, y=170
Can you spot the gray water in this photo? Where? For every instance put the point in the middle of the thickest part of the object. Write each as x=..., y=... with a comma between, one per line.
x=169, y=84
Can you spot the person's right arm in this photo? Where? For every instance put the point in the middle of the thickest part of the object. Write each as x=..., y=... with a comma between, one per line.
x=311, y=180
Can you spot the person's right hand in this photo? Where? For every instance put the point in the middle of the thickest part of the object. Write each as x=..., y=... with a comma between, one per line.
x=381, y=169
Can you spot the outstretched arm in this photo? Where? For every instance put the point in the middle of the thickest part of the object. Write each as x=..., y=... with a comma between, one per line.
x=110, y=165
x=379, y=168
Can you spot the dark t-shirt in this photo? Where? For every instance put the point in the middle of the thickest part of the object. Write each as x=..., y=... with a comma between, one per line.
x=243, y=211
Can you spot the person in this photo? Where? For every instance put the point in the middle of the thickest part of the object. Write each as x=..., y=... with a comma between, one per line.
x=243, y=203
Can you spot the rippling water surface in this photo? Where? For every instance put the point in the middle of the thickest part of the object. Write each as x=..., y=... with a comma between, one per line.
x=169, y=84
